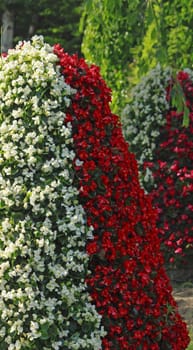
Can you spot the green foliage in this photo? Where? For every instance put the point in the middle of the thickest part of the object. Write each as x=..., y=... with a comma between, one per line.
x=168, y=36
x=125, y=38
x=60, y=23
x=128, y=38
x=57, y=20
x=109, y=28
x=190, y=346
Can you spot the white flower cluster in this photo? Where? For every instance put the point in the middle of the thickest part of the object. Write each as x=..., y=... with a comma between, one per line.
x=144, y=116
x=44, y=303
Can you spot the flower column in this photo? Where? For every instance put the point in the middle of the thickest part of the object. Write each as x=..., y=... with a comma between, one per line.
x=128, y=283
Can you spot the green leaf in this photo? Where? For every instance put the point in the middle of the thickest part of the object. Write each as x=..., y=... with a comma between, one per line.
x=3, y=346
x=153, y=33
x=186, y=119
x=2, y=205
x=45, y=331
x=177, y=97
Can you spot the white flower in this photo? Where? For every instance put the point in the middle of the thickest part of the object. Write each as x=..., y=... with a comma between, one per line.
x=78, y=162
x=145, y=111
x=43, y=233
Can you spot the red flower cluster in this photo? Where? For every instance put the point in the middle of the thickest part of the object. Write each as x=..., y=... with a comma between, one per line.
x=128, y=283
x=173, y=175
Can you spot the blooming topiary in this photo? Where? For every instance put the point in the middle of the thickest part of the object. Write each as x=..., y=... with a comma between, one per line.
x=70, y=191
x=167, y=148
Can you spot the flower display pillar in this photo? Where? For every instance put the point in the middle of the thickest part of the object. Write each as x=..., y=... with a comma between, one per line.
x=128, y=283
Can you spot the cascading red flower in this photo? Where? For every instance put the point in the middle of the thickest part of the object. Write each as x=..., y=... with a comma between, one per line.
x=128, y=283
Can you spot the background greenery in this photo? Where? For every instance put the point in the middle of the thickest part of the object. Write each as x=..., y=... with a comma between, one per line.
x=126, y=38
x=57, y=20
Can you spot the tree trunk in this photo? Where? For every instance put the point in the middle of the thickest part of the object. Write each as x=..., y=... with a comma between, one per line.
x=7, y=31
x=33, y=25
